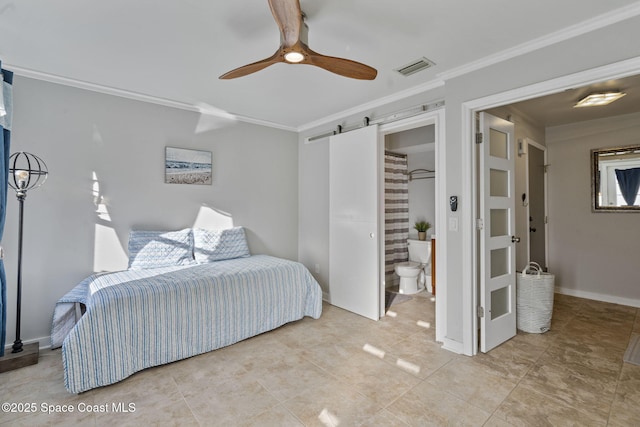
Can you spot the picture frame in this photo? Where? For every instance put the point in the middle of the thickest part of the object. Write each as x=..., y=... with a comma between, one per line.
x=185, y=166
x=605, y=188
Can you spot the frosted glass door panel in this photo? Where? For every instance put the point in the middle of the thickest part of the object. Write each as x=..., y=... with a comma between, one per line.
x=500, y=303
x=498, y=144
x=499, y=183
x=499, y=262
x=499, y=222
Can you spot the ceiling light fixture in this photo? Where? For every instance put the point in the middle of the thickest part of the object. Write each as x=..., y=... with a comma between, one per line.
x=596, y=99
x=293, y=57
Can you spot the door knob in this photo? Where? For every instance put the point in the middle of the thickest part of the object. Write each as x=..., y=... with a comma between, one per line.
x=515, y=239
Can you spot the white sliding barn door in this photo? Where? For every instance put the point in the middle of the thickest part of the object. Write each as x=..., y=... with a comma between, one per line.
x=353, y=214
x=497, y=241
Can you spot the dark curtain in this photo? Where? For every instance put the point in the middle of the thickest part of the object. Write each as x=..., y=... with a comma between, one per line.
x=5, y=126
x=629, y=182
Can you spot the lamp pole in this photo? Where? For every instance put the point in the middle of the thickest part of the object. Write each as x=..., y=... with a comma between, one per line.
x=21, y=195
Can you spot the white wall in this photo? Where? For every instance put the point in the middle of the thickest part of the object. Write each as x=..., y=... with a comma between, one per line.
x=79, y=134
x=593, y=255
x=422, y=193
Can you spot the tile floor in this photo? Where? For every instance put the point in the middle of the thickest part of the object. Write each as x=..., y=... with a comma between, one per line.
x=349, y=371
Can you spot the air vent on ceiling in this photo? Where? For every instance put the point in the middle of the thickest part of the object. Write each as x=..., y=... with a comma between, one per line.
x=415, y=66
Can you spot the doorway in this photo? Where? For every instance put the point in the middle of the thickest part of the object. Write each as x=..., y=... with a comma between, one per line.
x=433, y=119
x=470, y=297
x=409, y=190
x=536, y=203
x=356, y=213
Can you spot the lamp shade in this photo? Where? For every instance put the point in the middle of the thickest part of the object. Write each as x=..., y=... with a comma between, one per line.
x=26, y=171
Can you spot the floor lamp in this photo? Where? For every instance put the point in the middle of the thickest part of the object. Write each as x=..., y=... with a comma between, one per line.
x=26, y=172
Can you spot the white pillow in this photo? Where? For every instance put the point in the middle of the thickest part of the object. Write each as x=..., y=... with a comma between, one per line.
x=153, y=249
x=217, y=245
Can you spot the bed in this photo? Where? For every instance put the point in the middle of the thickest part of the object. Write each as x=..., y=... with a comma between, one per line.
x=144, y=317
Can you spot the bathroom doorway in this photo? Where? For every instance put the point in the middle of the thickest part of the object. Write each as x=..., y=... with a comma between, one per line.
x=409, y=198
x=418, y=138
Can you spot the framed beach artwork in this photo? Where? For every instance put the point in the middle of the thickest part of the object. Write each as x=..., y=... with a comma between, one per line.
x=184, y=166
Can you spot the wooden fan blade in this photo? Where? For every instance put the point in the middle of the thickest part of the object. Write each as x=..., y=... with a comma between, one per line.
x=288, y=16
x=253, y=67
x=341, y=66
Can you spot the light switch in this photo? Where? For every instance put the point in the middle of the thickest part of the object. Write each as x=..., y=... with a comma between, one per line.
x=453, y=224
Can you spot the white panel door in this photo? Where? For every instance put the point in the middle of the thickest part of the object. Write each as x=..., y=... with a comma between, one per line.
x=497, y=240
x=353, y=215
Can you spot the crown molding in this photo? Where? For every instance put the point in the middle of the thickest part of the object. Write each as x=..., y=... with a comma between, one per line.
x=136, y=96
x=567, y=33
x=259, y=122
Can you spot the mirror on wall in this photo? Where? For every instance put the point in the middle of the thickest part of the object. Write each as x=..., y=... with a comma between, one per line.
x=615, y=179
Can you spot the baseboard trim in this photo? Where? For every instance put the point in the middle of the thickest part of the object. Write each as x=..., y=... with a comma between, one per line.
x=44, y=343
x=326, y=297
x=453, y=346
x=632, y=302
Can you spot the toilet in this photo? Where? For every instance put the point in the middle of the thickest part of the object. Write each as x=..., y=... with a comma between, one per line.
x=413, y=276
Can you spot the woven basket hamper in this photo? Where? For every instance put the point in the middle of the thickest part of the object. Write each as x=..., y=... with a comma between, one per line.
x=534, y=299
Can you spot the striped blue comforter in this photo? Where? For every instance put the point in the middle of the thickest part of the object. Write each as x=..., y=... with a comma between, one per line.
x=137, y=319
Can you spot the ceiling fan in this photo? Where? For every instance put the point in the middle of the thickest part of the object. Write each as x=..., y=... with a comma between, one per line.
x=294, y=48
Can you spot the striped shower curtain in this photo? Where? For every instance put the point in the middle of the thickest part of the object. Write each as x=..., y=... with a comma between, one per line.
x=396, y=213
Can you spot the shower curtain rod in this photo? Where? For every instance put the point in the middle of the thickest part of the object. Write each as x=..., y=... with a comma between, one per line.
x=420, y=171
x=391, y=153
x=393, y=117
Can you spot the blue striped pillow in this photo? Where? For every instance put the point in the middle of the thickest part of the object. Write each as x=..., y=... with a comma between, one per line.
x=153, y=249
x=217, y=245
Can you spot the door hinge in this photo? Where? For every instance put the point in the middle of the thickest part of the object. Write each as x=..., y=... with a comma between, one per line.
x=480, y=311
x=546, y=168
x=479, y=224
x=479, y=138
x=546, y=219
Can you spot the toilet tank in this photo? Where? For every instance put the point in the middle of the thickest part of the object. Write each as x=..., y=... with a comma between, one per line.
x=419, y=251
